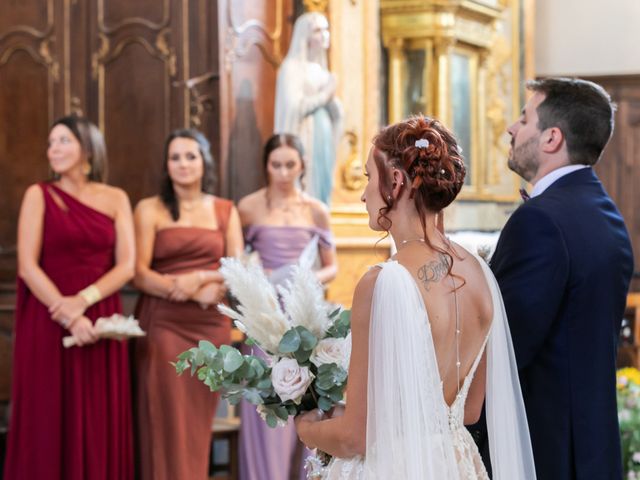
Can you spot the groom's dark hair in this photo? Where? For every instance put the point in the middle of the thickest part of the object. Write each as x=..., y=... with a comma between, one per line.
x=582, y=110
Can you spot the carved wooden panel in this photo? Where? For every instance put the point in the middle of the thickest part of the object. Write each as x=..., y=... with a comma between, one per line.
x=619, y=169
x=114, y=14
x=134, y=63
x=29, y=76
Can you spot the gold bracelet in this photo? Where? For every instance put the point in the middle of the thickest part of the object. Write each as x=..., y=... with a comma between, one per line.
x=91, y=294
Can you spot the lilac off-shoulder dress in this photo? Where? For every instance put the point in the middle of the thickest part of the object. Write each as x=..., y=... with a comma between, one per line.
x=274, y=453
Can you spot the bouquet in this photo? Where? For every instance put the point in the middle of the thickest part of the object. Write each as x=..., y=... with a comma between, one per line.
x=628, y=387
x=307, y=346
x=116, y=327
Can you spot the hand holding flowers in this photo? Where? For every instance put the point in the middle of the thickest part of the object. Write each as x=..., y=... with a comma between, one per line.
x=307, y=347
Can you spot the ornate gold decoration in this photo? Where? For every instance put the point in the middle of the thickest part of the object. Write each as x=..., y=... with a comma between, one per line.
x=497, y=93
x=168, y=54
x=50, y=62
x=98, y=57
x=76, y=106
x=240, y=38
x=353, y=171
x=318, y=5
x=456, y=37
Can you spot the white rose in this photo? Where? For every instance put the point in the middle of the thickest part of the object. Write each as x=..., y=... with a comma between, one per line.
x=332, y=350
x=290, y=380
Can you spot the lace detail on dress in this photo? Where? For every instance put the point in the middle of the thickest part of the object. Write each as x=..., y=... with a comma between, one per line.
x=469, y=460
x=345, y=469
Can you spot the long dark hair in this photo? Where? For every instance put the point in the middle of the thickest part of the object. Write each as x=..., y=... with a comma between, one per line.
x=91, y=142
x=167, y=193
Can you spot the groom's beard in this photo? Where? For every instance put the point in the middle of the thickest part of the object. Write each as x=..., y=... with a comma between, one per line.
x=523, y=160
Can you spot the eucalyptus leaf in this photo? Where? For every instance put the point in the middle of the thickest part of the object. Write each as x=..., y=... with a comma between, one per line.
x=302, y=356
x=207, y=347
x=325, y=404
x=336, y=395
x=272, y=420
x=252, y=395
x=308, y=339
x=282, y=413
x=232, y=360
x=290, y=341
x=264, y=383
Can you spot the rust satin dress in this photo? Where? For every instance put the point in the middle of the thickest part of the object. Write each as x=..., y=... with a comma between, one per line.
x=174, y=414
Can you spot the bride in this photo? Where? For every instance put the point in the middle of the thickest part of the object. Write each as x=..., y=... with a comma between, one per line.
x=430, y=336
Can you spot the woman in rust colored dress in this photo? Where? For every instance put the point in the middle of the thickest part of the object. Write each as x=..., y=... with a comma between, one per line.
x=181, y=235
x=71, y=408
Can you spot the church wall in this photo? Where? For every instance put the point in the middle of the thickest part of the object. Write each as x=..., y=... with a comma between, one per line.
x=587, y=37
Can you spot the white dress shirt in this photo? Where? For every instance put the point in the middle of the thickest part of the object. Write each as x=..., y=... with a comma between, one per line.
x=546, y=181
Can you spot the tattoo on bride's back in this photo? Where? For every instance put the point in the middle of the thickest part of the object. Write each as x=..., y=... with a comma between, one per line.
x=434, y=271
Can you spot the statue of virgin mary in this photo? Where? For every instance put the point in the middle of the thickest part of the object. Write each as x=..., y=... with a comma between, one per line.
x=306, y=105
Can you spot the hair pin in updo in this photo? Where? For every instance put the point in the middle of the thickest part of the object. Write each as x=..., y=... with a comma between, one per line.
x=422, y=143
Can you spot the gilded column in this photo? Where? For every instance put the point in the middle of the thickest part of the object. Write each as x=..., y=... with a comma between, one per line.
x=396, y=79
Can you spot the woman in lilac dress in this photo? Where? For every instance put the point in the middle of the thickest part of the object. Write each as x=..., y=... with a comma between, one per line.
x=279, y=221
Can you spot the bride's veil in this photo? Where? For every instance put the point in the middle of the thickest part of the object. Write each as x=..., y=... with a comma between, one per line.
x=407, y=425
x=408, y=436
x=507, y=427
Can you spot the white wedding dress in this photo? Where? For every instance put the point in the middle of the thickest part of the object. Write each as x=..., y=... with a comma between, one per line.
x=412, y=434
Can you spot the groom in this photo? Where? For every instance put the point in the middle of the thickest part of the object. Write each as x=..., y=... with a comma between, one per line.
x=563, y=263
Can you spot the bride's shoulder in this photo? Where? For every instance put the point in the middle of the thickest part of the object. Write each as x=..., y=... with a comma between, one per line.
x=367, y=282
x=363, y=295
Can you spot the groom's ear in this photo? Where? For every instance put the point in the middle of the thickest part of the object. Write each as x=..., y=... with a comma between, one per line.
x=552, y=140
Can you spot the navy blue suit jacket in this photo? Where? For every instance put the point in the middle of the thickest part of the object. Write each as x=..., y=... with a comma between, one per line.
x=563, y=263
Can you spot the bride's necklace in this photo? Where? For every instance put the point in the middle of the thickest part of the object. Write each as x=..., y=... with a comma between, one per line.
x=409, y=240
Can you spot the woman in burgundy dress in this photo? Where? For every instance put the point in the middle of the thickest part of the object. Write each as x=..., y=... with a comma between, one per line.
x=279, y=222
x=70, y=408
x=181, y=235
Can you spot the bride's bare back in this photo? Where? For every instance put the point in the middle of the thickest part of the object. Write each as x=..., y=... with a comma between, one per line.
x=430, y=270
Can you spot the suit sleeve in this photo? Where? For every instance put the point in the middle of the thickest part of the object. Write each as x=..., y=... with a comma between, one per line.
x=531, y=264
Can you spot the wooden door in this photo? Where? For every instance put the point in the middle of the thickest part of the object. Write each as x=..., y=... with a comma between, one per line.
x=619, y=169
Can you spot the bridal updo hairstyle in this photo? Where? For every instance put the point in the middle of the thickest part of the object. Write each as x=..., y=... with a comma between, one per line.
x=428, y=155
